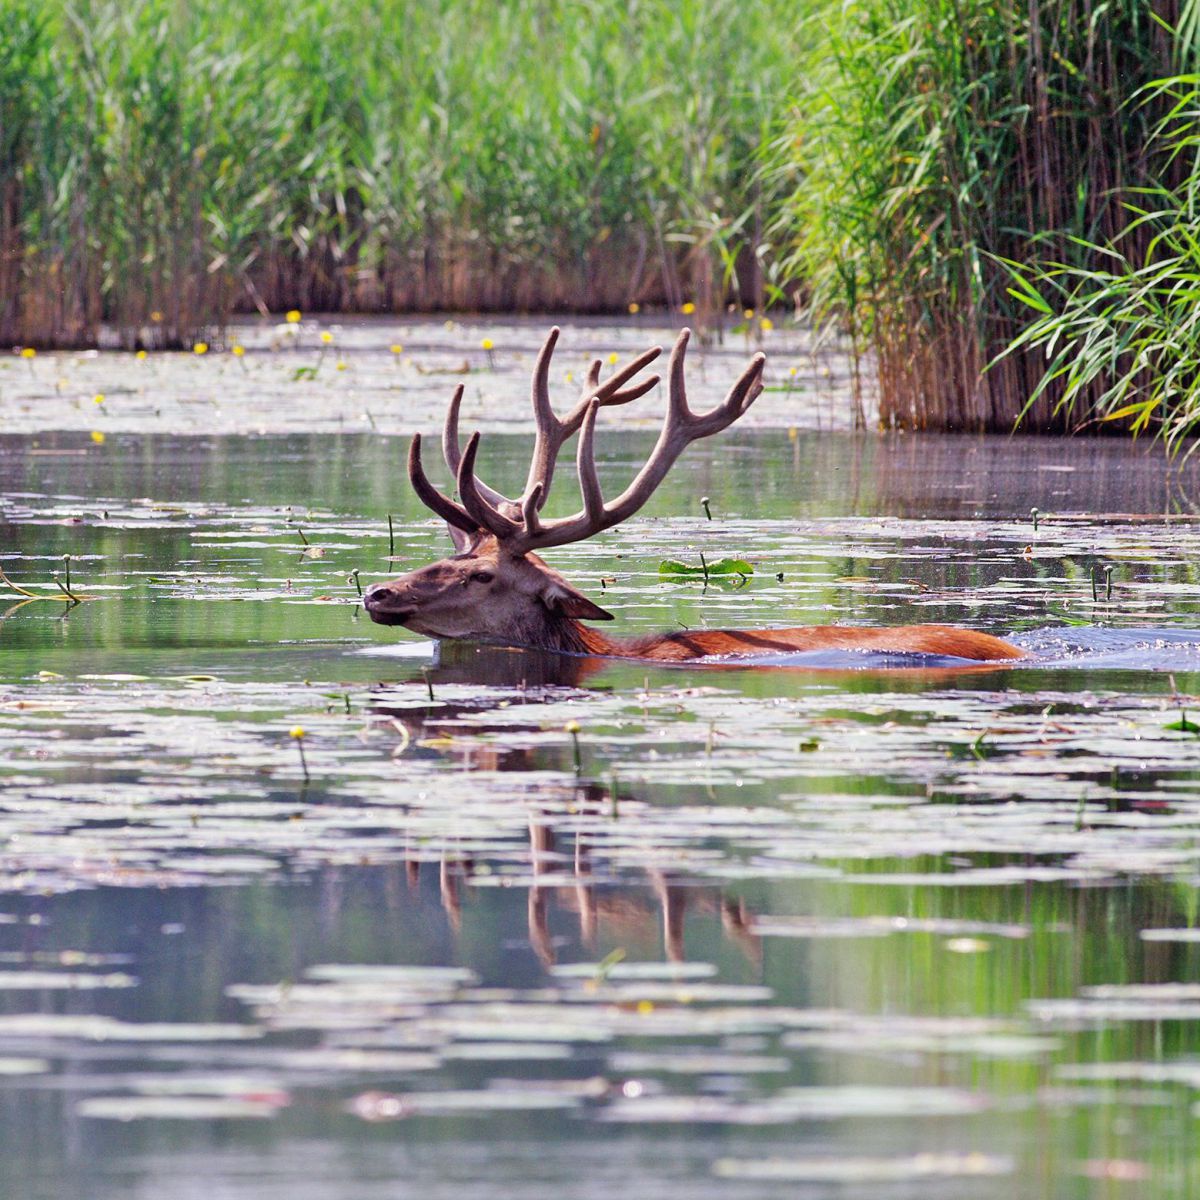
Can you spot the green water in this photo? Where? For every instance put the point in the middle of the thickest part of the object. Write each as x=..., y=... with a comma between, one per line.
x=910, y=932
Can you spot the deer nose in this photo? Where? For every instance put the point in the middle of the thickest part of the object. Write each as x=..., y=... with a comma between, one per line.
x=385, y=604
x=377, y=593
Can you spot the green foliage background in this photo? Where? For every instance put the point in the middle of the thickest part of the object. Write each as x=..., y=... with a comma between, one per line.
x=162, y=163
x=998, y=201
x=940, y=141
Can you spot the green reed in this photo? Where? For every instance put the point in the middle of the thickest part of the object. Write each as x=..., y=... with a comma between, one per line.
x=163, y=165
x=1120, y=337
x=936, y=139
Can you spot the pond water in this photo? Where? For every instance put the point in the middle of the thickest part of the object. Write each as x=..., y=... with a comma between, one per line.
x=847, y=928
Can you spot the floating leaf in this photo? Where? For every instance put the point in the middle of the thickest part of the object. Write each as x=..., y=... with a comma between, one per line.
x=848, y=1169
x=1184, y=725
x=673, y=568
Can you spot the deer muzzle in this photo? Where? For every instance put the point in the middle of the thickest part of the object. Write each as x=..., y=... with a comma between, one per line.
x=388, y=603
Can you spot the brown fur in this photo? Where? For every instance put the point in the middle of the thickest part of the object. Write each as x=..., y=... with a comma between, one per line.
x=702, y=643
x=488, y=595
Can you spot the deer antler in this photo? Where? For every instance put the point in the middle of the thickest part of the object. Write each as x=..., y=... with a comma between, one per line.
x=516, y=523
x=680, y=428
x=453, y=514
x=552, y=431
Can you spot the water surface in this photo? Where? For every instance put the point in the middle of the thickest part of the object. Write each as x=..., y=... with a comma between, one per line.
x=839, y=929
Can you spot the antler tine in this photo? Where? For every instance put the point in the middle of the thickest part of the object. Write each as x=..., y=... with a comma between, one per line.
x=745, y=390
x=542, y=412
x=680, y=427
x=611, y=393
x=529, y=511
x=548, y=436
x=585, y=466
x=552, y=431
x=749, y=386
x=479, y=509
x=445, y=508
x=453, y=456
x=450, y=448
x=677, y=405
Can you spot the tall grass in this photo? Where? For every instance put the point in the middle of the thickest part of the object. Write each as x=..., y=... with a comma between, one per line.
x=940, y=137
x=1120, y=337
x=43, y=220
x=163, y=164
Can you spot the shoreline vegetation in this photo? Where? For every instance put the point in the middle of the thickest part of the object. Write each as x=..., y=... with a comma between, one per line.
x=165, y=165
x=997, y=203
x=960, y=171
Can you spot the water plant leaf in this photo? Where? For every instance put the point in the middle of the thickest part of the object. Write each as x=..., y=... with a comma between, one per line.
x=1184, y=725
x=176, y=1108
x=722, y=569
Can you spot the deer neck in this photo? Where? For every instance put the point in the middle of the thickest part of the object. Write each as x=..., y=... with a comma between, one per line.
x=555, y=632
x=568, y=636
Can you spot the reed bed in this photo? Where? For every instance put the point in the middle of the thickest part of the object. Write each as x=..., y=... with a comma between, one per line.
x=1119, y=336
x=163, y=164
x=940, y=141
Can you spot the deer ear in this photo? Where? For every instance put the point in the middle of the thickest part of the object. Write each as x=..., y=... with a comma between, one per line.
x=464, y=543
x=564, y=599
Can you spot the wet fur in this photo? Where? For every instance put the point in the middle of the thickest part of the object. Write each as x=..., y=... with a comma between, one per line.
x=487, y=595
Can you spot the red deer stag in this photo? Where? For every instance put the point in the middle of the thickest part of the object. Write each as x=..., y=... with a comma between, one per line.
x=496, y=589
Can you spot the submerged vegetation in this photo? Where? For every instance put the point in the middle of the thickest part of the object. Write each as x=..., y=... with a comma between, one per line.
x=162, y=165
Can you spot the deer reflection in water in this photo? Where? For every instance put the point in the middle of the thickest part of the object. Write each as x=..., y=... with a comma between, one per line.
x=600, y=904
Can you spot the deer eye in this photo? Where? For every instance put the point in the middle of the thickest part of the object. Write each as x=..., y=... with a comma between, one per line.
x=482, y=576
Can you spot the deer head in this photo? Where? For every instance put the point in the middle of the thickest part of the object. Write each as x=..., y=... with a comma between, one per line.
x=495, y=588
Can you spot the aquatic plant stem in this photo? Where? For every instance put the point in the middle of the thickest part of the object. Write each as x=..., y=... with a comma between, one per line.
x=572, y=727
x=298, y=734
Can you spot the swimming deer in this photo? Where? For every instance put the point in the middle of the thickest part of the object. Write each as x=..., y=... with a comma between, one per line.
x=496, y=589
